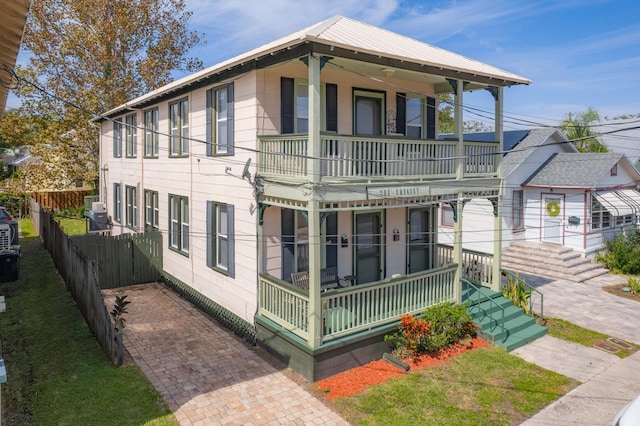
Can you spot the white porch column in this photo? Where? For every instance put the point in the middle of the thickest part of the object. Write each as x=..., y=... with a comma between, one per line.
x=313, y=176
x=458, y=128
x=497, y=218
x=457, y=249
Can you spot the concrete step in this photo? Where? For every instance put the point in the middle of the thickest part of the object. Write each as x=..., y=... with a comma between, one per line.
x=549, y=260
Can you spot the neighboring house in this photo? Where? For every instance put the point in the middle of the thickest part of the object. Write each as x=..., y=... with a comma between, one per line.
x=553, y=194
x=621, y=136
x=283, y=166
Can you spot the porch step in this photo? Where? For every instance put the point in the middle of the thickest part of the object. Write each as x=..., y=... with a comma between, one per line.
x=550, y=260
x=486, y=309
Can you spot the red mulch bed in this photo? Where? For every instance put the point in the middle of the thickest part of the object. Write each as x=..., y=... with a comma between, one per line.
x=358, y=379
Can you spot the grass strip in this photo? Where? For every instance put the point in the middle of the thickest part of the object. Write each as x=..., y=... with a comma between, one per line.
x=486, y=386
x=57, y=373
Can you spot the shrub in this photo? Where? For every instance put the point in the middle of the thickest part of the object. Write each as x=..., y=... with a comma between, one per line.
x=622, y=254
x=440, y=326
x=516, y=291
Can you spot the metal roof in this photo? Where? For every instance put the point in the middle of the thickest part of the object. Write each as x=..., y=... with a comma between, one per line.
x=12, y=21
x=342, y=35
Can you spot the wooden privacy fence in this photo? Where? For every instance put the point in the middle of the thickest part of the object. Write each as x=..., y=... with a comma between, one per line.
x=90, y=263
x=125, y=259
x=60, y=200
x=80, y=275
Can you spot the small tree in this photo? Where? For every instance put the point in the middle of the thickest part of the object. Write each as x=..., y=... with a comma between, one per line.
x=577, y=127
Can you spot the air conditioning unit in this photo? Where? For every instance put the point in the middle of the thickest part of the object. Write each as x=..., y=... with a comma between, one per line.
x=97, y=206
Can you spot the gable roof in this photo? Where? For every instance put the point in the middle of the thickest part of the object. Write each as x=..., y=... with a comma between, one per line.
x=347, y=38
x=577, y=170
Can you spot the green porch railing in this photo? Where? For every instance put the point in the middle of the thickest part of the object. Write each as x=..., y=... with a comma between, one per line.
x=357, y=156
x=476, y=266
x=492, y=302
x=356, y=308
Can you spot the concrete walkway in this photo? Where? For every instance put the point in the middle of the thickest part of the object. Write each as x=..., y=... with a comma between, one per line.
x=608, y=381
x=206, y=374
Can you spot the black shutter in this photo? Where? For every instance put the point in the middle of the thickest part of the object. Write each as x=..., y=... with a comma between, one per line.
x=331, y=93
x=401, y=113
x=209, y=124
x=288, y=242
x=332, y=239
x=230, y=113
x=231, y=242
x=210, y=233
x=286, y=105
x=431, y=117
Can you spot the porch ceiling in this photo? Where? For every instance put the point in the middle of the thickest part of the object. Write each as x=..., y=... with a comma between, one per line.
x=12, y=22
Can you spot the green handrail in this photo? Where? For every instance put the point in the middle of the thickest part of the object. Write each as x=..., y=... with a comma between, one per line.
x=533, y=289
x=479, y=290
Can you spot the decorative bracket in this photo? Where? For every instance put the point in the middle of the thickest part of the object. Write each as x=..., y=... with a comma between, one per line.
x=494, y=203
x=323, y=60
x=454, y=207
x=494, y=91
x=261, y=208
x=454, y=85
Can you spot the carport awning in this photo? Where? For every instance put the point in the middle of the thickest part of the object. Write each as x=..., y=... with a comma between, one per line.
x=620, y=203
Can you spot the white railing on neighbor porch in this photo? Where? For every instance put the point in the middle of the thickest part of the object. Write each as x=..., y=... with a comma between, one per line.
x=346, y=156
x=356, y=308
x=476, y=266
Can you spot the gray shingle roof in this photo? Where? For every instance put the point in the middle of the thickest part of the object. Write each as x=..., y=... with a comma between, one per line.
x=574, y=170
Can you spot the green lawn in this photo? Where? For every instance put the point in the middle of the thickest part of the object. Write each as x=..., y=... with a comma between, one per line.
x=57, y=373
x=483, y=387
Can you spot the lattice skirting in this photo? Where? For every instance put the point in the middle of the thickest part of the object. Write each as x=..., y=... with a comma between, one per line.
x=228, y=319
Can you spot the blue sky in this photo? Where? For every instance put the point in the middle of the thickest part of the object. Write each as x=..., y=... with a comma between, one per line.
x=578, y=53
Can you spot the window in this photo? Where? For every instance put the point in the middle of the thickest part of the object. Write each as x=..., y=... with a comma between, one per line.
x=117, y=202
x=151, y=133
x=151, y=211
x=117, y=138
x=179, y=223
x=294, y=106
x=614, y=170
x=415, y=116
x=447, y=215
x=179, y=128
x=131, y=200
x=131, y=135
x=221, y=238
x=220, y=130
x=600, y=217
x=517, y=210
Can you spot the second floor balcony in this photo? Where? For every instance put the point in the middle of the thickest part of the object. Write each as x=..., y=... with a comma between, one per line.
x=371, y=158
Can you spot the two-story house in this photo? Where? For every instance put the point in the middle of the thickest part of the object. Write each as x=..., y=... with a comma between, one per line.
x=310, y=158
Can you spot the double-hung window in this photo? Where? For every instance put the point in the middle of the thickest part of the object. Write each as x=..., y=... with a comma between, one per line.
x=131, y=200
x=151, y=210
x=117, y=202
x=294, y=106
x=416, y=116
x=179, y=128
x=220, y=129
x=151, y=133
x=221, y=238
x=517, y=210
x=600, y=217
x=131, y=135
x=117, y=138
x=179, y=223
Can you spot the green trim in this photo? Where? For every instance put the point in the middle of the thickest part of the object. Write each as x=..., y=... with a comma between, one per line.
x=225, y=317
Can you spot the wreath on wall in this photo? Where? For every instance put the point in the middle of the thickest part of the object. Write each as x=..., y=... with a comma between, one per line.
x=553, y=208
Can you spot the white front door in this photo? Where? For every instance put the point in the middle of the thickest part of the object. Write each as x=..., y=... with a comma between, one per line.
x=552, y=214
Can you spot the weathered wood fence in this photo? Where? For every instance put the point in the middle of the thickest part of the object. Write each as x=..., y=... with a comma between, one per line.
x=91, y=263
x=60, y=200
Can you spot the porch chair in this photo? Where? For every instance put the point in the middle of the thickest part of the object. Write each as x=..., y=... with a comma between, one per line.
x=328, y=279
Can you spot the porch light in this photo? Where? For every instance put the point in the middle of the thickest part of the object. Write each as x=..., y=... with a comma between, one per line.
x=387, y=72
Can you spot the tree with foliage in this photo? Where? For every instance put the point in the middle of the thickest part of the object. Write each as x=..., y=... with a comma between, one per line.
x=446, y=123
x=91, y=56
x=577, y=127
